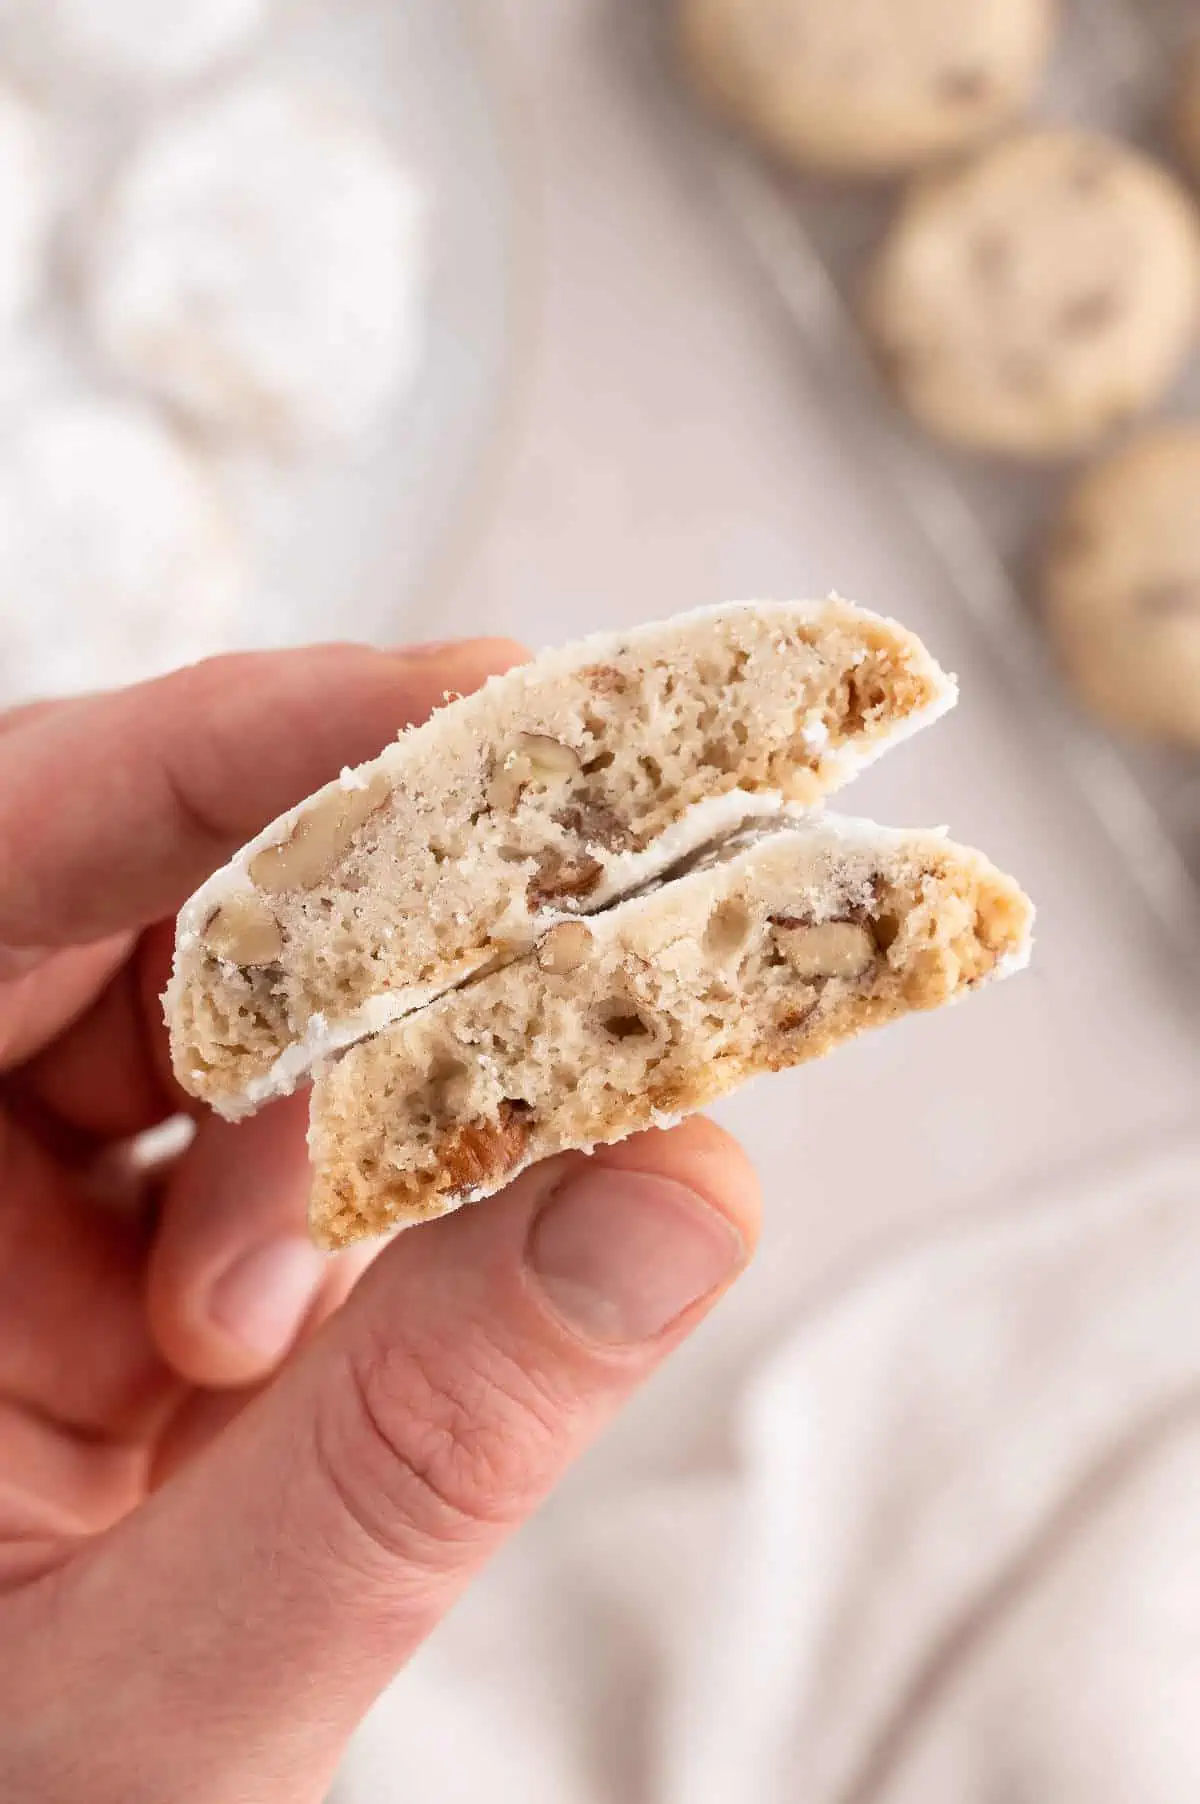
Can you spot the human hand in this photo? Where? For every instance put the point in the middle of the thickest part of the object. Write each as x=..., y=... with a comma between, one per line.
x=230, y=1509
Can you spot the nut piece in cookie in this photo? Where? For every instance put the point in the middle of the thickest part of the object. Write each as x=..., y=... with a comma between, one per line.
x=825, y=948
x=318, y=838
x=244, y=930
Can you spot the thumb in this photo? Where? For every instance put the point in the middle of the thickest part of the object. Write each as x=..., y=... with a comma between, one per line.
x=262, y=1599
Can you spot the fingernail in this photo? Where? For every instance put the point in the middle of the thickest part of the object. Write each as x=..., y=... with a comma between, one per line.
x=620, y=1255
x=261, y=1300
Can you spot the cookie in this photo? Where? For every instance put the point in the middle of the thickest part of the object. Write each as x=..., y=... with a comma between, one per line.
x=1186, y=113
x=1030, y=300
x=260, y=266
x=119, y=557
x=791, y=944
x=139, y=40
x=554, y=789
x=866, y=87
x=1121, y=580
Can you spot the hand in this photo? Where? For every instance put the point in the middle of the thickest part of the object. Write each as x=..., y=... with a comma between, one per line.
x=230, y=1509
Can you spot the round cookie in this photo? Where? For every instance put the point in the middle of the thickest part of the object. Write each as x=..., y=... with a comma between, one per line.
x=118, y=557
x=141, y=40
x=1121, y=584
x=261, y=267
x=1026, y=302
x=1186, y=113
x=866, y=87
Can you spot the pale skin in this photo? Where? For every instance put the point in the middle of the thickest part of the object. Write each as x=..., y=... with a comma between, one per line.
x=235, y=1497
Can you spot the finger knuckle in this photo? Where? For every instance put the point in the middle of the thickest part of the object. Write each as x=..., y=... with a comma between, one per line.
x=427, y=1449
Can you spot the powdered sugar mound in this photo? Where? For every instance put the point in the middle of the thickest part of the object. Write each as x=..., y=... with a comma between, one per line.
x=146, y=40
x=261, y=267
x=24, y=203
x=117, y=558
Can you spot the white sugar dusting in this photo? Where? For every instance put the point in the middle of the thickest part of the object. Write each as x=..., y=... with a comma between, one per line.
x=142, y=40
x=261, y=267
x=118, y=555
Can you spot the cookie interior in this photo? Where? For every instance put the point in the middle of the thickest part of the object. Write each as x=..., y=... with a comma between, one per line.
x=774, y=949
x=555, y=788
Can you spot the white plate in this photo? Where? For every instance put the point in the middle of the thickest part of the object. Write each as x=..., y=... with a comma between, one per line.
x=348, y=543
x=356, y=547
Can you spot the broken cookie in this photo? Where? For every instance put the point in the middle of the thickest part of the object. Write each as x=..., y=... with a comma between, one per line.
x=594, y=896
x=557, y=787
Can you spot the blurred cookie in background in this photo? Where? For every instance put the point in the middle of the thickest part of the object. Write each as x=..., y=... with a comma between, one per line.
x=261, y=266
x=139, y=41
x=25, y=204
x=1028, y=301
x=1186, y=113
x=866, y=87
x=118, y=558
x=1121, y=583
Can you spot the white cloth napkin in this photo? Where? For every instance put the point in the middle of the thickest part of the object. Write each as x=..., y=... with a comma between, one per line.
x=954, y=1557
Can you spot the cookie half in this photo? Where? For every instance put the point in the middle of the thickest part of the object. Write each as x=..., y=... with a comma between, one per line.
x=787, y=940
x=557, y=787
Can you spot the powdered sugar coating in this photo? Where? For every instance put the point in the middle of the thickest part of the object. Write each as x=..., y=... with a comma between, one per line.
x=118, y=558
x=261, y=266
x=145, y=40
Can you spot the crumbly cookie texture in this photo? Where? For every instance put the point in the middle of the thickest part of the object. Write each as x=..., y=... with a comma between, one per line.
x=873, y=87
x=1040, y=294
x=1121, y=584
x=775, y=953
x=555, y=788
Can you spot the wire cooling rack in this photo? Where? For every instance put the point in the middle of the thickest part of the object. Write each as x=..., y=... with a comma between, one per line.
x=981, y=520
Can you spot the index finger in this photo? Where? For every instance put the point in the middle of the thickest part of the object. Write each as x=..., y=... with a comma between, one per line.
x=113, y=809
